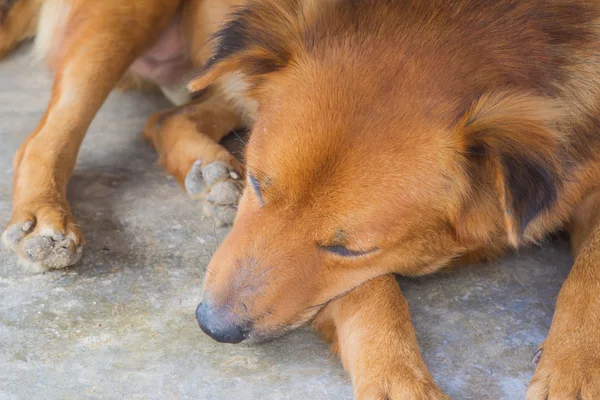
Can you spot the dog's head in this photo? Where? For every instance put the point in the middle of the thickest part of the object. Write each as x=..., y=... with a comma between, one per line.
x=367, y=157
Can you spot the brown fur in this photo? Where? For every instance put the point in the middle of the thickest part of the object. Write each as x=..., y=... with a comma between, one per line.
x=387, y=137
x=18, y=21
x=419, y=132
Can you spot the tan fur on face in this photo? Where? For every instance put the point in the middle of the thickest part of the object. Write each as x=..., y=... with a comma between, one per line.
x=392, y=155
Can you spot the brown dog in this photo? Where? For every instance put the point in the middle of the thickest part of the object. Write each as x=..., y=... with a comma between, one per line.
x=387, y=137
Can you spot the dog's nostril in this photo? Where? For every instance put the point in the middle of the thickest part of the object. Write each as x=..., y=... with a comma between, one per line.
x=220, y=324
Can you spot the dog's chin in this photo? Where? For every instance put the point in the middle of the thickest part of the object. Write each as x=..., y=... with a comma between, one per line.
x=260, y=335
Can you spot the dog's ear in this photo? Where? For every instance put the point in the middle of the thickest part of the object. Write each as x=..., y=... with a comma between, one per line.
x=513, y=142
x=256, y=40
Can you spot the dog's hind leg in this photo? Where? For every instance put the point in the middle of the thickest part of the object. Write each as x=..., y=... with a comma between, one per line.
x=18, y=22
x=569, y=358
x=96, y=45
x=370, y=329
x=187, y=141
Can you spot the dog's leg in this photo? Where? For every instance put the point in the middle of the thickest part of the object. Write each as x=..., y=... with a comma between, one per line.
x=18, y=22
x=569, y=358
x=187, y=141
x=371, y=330
x=100, y=41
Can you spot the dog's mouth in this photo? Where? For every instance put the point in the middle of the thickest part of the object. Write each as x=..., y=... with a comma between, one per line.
x=260, y=335
x=256, y=332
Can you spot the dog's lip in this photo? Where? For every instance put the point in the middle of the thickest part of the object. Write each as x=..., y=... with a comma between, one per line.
x=258, y=335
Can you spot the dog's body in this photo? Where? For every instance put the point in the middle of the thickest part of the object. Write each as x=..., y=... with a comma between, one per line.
x=388, y=137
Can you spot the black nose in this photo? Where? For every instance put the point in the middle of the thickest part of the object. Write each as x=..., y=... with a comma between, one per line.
x=221, y=324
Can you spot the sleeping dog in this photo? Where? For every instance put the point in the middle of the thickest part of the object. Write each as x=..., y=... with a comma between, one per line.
x=387, y=136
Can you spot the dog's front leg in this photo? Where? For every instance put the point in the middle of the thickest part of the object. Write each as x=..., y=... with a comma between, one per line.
x=90, y=52
x=371, y=330
x=569, y=358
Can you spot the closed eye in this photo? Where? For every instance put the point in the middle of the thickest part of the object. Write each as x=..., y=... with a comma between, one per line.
x=346, y=252
x=256, y=188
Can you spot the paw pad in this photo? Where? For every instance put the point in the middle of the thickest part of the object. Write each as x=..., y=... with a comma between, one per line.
x=217, y=186
x=37, y=248
x=215, y=172
x=46, y=240
x=224, y=193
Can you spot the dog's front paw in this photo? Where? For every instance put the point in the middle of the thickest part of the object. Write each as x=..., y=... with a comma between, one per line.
x=568, y=368
x=218, y=186
x=44, y=237
x=399, y=385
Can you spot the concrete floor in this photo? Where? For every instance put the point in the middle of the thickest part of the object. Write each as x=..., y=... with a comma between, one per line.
x=121, y=324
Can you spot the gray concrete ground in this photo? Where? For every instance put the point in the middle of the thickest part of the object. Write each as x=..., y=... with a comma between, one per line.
x=121, y=324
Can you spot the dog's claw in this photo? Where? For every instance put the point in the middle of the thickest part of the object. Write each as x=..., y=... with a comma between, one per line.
x=27, y=226
x=15, y=233
x=194, y=182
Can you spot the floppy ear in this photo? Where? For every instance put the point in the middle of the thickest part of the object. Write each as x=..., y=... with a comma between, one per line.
x=257, y=40
x=516, y=139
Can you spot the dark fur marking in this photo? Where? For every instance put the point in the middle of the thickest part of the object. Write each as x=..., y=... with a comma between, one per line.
x=199, y=94
x=261, y=66
x=231, y=38
x=531, y=182
x=532, y=187
x=5, y=7
x=244, y=32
